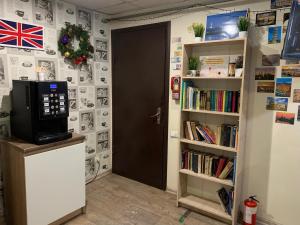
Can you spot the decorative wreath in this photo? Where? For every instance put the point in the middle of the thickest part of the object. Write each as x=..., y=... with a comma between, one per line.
x=65, y=44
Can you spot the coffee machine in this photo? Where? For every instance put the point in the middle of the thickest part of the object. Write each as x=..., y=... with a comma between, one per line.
x=40, y=111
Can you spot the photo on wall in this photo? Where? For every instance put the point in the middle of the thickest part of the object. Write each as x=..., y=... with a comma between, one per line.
x=86, y=75
x=283, y=87
x=286, y=17
x=265, y=86
x=285, y=118
x=279, y=104
x=274, y=35
x=266, y=18
x=86, y=96
x=277, y=4
x=296, y=96
x=223, y=26
x=290, y=71
x=265, y=73
x=271, y=60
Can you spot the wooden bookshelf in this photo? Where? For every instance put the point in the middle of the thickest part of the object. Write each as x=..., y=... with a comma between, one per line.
x=204, y=200
x=226, y=182
x=203, y=144
x=211, y=112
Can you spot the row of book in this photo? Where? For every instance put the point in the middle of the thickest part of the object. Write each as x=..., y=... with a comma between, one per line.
x=226, y=199
x=225, y=134
x=208, y=164
x=213, y=100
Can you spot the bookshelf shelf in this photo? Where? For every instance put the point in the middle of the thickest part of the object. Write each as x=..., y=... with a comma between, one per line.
x=214, y=93
x=204, y=205
x=236, y=41
x=211, y=112
x=203, y=144
x=211, y=78
x=206, y=177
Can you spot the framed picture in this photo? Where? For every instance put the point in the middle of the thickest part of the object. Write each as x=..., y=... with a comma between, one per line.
x=274, y=36
x=223, y=26
x=266, y=19
x=276, y=4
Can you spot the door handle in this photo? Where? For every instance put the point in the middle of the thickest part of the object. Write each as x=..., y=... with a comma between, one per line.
x=157, y=115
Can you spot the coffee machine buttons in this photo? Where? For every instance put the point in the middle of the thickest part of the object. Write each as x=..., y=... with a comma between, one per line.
x=46, y=104
x=62, y=109
x=61, y=97
x=62, y=103
x=51, y=95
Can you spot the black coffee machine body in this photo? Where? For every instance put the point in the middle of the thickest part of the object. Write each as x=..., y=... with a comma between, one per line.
x=40, y=111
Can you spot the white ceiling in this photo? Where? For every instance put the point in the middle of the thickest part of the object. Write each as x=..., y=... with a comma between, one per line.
x=119, y=7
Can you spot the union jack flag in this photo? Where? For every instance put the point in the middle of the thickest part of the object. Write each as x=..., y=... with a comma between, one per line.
x=21, y=35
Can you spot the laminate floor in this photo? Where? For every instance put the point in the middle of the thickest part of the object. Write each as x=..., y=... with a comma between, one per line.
x=115, y=200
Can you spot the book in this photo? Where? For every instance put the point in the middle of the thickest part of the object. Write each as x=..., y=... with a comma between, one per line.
x=191, y=137
x=194, y=131
x=227, y=169
x=224, y=199
x=220, y=167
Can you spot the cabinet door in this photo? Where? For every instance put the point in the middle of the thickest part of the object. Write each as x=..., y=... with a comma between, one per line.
x=55, y=184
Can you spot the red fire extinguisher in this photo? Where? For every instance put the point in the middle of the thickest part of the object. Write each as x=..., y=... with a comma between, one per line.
x=250, y=209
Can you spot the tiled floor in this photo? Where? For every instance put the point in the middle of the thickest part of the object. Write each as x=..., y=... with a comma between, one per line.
x=115, y=200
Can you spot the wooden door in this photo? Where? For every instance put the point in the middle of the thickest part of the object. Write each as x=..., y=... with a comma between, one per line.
x=140, y=77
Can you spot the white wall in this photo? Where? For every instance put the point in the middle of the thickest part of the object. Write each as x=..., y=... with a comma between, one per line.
x=272, y=152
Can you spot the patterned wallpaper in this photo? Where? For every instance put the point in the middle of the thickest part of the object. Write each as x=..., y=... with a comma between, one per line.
x=89, y=86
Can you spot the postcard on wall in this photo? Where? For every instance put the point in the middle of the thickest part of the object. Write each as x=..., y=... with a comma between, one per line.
x=73, y=122
x=21, y=67
x=296, y=95
x=86, y=76
x=176, y=60
x=298, y=114
x=279, y=104
x=44, y=13
x=90, y=145
x=49, y=67
x=265, y=73
x=100, y=26
x=274, y=35
x=86, y=96
x=84, y=18
x=66, y=13
x=276, y=4
x=271, y=60
x=291, y=61
x=286, y=17
x=87, y=121
x=214, y=66
x=73, y=98
x=102, y=119
x=285, y=118
x=102, y=100
x=102, y=141
x=4, y=79
x=18, y=10
x=290, y=71
x=283, y=87
x=50, y=43
x=266, y=18
x=101, y=50
x=265, y=86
